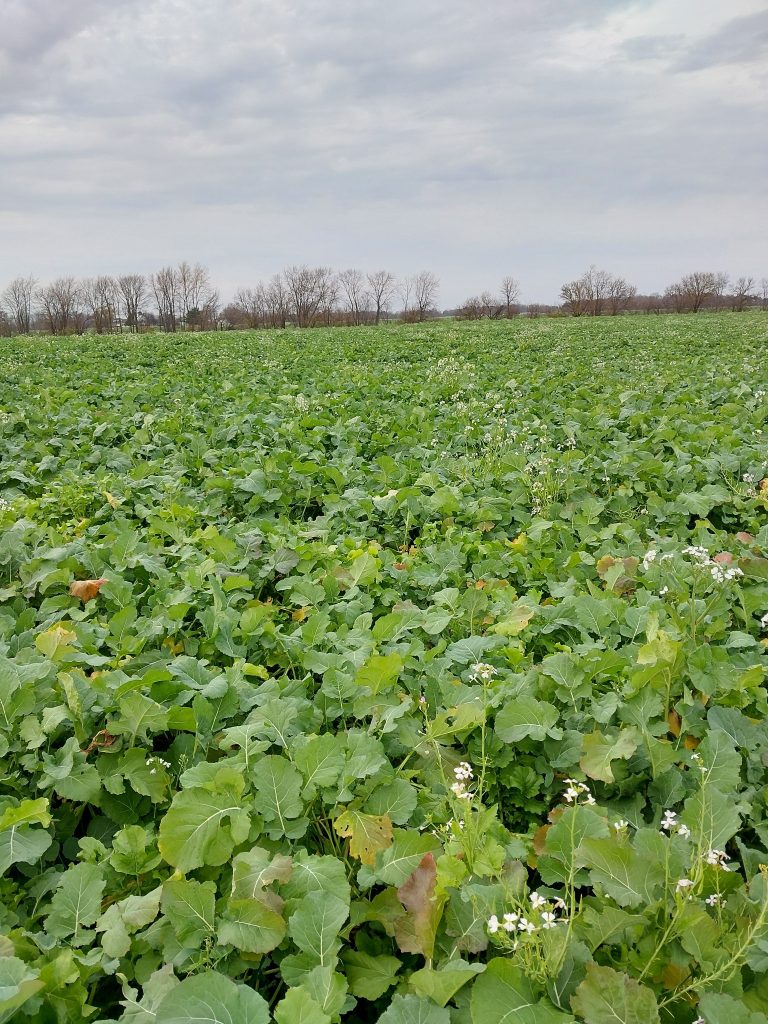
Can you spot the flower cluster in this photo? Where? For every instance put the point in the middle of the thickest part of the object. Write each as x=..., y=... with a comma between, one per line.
x=542, y=916
x=669, y=823
x=157, y=761
x=764, y=621
x=463, y=774
x=577, y=792
x=481, y=672
x=719, y=568
x=717, y=858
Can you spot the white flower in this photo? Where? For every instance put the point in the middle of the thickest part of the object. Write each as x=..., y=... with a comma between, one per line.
x=463, y=772
x=537, y=901
x=669, y=821
x=493, y=924
x=510, y=922
x=649, y=556
x=684, y=831
x=620, y=825
x=548, y=920
x=526, y=926
x=717, y=858
x=713, y=900
x=683, y=883
x=663, y=591
x=459, y=790
x=482, y=671
x=764, y=621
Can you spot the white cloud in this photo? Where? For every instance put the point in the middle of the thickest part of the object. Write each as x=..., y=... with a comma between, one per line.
x=476, y=139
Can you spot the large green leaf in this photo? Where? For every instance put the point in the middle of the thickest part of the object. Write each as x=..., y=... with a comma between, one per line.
x=212, y=998
x=611, y=997
x=413, y=1010
x=370, y=975
x=503, y=995
x=278, y=791
x=76, y=904
x=202, y=828
x=315, y=926
x=527, y=717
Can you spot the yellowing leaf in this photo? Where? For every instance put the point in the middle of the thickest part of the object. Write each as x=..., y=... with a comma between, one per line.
x=54, y=641
x=367, y=833
x=86, y=590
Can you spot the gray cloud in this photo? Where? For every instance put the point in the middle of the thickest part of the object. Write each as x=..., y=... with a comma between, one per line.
x=476, y=139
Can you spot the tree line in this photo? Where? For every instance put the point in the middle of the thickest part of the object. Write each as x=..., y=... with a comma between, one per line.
x=183, y=298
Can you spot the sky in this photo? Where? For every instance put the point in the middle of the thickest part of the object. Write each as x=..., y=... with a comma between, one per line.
x=472, y=138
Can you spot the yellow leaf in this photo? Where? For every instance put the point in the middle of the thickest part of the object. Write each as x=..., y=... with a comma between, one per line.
x=55, y=640
x=367, y=833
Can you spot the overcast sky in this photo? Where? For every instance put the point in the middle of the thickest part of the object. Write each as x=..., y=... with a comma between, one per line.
x=474, y=138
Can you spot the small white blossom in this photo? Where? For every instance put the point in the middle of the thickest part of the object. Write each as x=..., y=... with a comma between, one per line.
x=669, y=820
x=649, y=557
x=548, y=919
x=717, y=858
x=663, y=591
x=537, y=901
x=684, y=831
x=683, y=884
x=482, y=671
x=764, y=621
x=526, y=926
x=510, y=922
x=713, y=900
x=493, y=924
x=459, y=790
x=620, y=825
x=463, y=772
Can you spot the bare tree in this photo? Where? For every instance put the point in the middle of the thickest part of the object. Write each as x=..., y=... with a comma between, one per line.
x=492, y=307
x=308, y=290
x=764, y=293
x=60, y=306
x=424, y=286
x=693, y=290
x=197, y=300
x=677, y=297
x=249, y=307
x=356, y=298
x=718, y=290
x=17, y=304
x=132, y=290
x=382, y=285
x=470, y=309
x=510, y=290
x=100, y=298
x=164, y=285
x=620, y=295
x=277, y=302
x=575, y=296
x=743, y=293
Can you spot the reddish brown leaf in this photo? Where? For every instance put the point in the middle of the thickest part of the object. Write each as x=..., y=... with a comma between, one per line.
x=723, y=558
x=86, y=590
x=415, y=931
x=674, y=721
x=744, y=537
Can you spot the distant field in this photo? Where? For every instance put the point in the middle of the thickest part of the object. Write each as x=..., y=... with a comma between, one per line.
x=384, y=631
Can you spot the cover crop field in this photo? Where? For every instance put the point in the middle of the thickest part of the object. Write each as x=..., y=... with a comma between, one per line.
x=414, y=674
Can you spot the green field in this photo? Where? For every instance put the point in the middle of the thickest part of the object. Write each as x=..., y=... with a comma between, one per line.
x=390, y=632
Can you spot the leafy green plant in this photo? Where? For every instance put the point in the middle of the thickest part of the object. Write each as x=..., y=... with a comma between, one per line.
x=409, y=674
